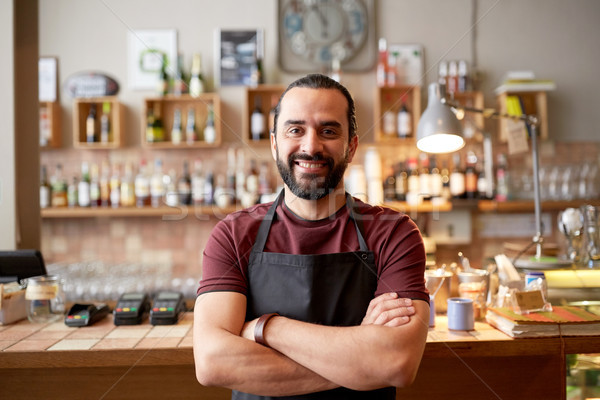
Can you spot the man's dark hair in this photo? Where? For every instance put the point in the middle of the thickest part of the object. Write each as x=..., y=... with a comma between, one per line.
x=318, y=81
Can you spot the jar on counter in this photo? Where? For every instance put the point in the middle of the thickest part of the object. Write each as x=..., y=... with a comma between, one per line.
x=44, y=299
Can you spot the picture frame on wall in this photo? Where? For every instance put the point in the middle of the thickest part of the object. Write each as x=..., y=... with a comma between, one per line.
x=236, y=53
x=146, y=48
x=48, y=79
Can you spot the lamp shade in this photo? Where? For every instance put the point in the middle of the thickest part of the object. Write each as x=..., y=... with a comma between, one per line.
x=439, y=131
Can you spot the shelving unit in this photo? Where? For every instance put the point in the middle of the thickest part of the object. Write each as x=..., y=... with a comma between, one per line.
x=50, y=110
x=533, y=102
x=168, y=104
x=268, y=96
x=81, y=109
x=164, y=211
x=391, y=98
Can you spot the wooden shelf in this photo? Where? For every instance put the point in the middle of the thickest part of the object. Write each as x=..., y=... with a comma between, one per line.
x=168, y=104
x=425, y=207
x=81, y=109
x=268, y=96
x=391, y=98
x=475, y=100
x=167, y=212
x=527, y=206
x=533, y=103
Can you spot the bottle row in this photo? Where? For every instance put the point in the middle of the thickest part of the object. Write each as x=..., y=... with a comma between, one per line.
x=118, y=185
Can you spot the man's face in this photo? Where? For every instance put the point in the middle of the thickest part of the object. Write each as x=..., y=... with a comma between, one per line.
x=311, y=148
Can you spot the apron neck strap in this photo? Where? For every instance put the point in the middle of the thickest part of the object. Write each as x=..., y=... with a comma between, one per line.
x=265, y=225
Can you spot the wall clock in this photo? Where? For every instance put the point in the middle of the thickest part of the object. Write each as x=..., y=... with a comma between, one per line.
x=312, y=33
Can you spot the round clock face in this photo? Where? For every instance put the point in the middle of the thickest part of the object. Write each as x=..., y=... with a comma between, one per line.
x=323, y=30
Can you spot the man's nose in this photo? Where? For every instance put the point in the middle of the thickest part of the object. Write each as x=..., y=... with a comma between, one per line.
x=311, y=142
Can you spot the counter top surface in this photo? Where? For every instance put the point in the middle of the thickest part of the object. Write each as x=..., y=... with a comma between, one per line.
x=29, y=345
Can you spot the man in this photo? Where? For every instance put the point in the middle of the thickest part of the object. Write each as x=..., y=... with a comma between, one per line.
x=310, y=297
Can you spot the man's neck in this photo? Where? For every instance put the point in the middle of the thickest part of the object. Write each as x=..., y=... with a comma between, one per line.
x=314, y=210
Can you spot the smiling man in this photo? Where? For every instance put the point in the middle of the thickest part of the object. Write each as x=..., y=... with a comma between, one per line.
x=316, y=295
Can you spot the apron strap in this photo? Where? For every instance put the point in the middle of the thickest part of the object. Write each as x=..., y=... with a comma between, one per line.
x=265, y=225
x=357, y=222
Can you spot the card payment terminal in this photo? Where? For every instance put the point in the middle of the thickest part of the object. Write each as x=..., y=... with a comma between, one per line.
x=131, y=309
x=167, y=308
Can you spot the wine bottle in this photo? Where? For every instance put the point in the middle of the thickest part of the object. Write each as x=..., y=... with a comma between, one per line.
x=157, y=185
x=162, y=87
x=94, y=185
x=184, y=185
x=257, y=121
x=404, y=122
x=142, y=186
x=45, y=190
x=190, y=127
x=83, y=190
x=127, y=187
x=90, y=125
x=176, y=130
x=179, y=86
x=105, y=184
x=209, y=129
x=105, y=132
x=197, y=183
x=197, y=80
x=457, y=179
x=59, y=188
x=115, y=187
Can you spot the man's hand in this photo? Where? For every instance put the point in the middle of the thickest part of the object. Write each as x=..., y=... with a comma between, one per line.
x=389, y=310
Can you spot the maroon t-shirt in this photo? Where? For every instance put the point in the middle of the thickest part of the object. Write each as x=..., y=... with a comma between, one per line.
x=392, y=236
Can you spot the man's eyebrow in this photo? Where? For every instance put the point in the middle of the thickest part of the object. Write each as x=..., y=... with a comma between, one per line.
x=294, y=122
x=335, y=124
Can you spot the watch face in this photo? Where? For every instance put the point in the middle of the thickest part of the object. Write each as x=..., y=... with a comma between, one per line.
x=320, y=31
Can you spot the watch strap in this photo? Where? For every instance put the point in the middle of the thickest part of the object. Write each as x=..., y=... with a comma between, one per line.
x=259, y=328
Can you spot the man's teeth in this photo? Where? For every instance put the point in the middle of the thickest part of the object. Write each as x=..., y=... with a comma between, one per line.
x=308, y=165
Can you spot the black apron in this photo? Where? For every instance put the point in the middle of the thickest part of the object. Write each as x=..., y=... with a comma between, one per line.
x=328, y=289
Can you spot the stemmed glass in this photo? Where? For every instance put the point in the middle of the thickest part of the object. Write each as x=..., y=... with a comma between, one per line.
x=570, y=224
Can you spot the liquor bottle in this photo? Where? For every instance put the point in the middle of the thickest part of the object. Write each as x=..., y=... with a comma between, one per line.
x=59, y=188
x=94, y=185
x=114, y=184
x=264, y=180
x=463, y=77
x=179, y=86
x=240, y=175
x=90, y=125
x=382, y=63
x=157, y=185
x=83, y=190
x=45, y=190
x=452, y=86
x=483, y=182
x=197, y=80
x=435, y=179
x=223, y=198
x=154, y=126
x=184, y=185
x=209, y=129
x=445, y=173
x=162, y=87
x=209, y=187
x=424, y=177
x=389, y=119
x=457, y=179
x=252, y=183
x=176, y=131
x=443, y=73
x=257, y=121
x=127, y=187
x=105, y=131
x=501, y=179
x=471, y=176
x=190, y=127
x=230, y=176
x=412, y=195
x=197, y=182
x=389, y=185
x=142, y=186
x=105, y=184
x=72, y=193
x=404, y=122
x=171, y=195
x=401, y=182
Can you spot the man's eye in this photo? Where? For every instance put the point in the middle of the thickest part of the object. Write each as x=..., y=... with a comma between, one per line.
x=328, y=132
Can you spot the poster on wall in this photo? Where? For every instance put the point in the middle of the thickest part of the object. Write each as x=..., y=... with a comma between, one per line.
x=146, y=49
x=236, y=55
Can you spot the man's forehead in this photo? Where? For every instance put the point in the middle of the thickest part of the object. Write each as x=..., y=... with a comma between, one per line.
x=332, y=98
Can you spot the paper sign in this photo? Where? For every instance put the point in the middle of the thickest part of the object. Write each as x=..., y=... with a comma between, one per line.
x=517, y=137
x=530, y=300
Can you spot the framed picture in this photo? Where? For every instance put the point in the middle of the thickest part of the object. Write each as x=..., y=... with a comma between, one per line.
x=236, y=54
x=146, y=49
x=48, y=78
x=410, y=63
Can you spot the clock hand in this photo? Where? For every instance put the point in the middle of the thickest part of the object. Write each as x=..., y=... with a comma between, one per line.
x=323, y=18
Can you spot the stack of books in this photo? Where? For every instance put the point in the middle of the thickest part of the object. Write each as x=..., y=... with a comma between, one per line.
x=561, y=321
x=524, y=81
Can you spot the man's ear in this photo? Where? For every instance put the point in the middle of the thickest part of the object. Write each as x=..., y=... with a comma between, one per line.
x=273, y=145
x=352, y=148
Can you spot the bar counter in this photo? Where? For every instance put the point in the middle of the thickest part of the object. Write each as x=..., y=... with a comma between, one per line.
x=53, y=361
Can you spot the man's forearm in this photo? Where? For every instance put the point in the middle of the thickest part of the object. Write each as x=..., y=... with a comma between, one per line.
x=359, y=357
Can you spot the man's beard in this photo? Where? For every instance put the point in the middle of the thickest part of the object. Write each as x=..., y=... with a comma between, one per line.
x=317, y=186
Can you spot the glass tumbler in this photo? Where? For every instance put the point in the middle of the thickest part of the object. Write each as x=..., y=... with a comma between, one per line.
x=44, y=299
